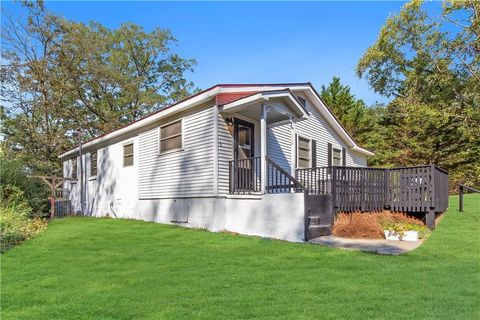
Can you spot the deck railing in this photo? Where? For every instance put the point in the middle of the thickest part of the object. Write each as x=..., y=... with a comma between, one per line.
x=413, y=189
x=245, y=175
x=279, y=180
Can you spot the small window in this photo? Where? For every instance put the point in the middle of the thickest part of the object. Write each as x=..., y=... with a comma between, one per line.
x=336, y=157
x=171, y=136
x=304, y=152
x=302, y=101
x=74, y=168
x=128, y=155
x=93, y=164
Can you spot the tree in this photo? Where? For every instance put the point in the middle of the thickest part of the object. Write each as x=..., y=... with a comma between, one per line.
x=58, y=75
x=430, y=66
x=358, y=119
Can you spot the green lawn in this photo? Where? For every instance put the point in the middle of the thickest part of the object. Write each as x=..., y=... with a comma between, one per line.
x=84, y=268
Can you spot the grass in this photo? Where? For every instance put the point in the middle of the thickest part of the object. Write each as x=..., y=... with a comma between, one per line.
x=86, y=268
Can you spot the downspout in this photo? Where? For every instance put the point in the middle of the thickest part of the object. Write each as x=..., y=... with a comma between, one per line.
x=82, y=196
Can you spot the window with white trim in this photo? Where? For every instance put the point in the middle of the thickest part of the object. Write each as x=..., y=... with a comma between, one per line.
x=93, y=164
x=74, y=168
x=304, y=154
x=171, y=136
x=128, y=154
x=336, y=157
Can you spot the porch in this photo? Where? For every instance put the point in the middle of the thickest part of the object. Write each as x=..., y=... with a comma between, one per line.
x=329, y=190
x=248, y=119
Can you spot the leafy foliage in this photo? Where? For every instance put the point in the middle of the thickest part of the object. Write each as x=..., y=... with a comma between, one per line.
x=16, y=225
x=430, y=66
x=17, y=190
x=59, y=75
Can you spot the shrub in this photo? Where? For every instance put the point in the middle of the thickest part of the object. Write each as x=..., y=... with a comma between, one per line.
x=13, y=172
x=16, y=228
x=401, y=227
x=15, y=222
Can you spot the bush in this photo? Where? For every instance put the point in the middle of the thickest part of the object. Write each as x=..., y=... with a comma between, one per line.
x=15, y=222
x=401, y=227
x=13, y=173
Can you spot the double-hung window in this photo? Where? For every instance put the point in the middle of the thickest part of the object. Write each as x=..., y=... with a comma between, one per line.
x=171, y=136
x=336, y=157
x=93, y=164
x=74, y=168
x=128, y=155
x=304, y=154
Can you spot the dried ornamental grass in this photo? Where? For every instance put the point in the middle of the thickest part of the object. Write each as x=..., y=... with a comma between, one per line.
x=369, y=224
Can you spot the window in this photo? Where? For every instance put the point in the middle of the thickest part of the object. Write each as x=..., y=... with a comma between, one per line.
x=74, y=168
x=336, y=157
x=171, y=136
x=93, y=164
x=302, y=101
x=128, y=155
x=303, y=152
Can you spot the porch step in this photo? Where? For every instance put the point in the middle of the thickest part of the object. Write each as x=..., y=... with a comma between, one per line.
x=316, y=231
x=318, y=220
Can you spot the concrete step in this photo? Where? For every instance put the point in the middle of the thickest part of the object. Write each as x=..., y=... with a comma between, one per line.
x=315, y=221
x=315, y=231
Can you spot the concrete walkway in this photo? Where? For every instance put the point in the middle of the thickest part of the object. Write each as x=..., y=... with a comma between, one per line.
x=380, y=246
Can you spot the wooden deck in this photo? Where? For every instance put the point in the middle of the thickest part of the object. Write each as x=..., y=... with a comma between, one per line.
x=408, y=189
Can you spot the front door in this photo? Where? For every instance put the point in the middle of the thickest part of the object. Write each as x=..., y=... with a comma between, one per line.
x=245, y=163
x=243, y=139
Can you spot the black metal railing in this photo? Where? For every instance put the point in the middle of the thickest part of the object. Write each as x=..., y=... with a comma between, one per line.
x=245, y=175
x=413, y=189
x=279, y=180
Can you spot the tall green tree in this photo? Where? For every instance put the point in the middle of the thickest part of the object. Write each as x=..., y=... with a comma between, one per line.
x=59, y=75
x=430, y=67
x=357, y=118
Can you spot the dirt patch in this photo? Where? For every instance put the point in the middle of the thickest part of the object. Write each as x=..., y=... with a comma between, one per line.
x=366, y=225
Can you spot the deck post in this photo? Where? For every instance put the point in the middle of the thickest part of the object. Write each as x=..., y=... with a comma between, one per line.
x=263, y=147
x=430, y=219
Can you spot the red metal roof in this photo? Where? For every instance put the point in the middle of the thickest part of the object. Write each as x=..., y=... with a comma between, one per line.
x=227, y=97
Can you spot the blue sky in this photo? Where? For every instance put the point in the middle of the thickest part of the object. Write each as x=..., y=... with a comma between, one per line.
x=254, y=42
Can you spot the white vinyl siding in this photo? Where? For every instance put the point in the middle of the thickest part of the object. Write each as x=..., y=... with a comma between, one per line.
x=317, y=128
x=314, y=127
x=225, y=154
x=279, y=141
x=184, y=173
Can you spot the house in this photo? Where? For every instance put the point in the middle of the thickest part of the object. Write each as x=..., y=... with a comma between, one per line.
x=223, y=159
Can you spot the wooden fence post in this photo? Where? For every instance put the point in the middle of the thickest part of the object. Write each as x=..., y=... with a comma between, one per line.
x=386, y=180
x=460, y=199
x=430, y=215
